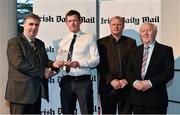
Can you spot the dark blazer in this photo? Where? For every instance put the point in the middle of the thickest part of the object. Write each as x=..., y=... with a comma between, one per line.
x=26, y=71
x=106, y=65
x=159, y=72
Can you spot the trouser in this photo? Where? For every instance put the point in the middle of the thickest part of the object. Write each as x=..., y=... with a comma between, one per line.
x=118, y=100
x=75, y=88
x=138, y=109
x=17, y=108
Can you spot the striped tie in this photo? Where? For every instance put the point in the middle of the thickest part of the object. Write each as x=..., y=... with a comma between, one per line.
x=144, y=61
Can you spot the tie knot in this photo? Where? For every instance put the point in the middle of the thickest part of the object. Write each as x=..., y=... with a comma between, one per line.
x=146, y=47
x=33, y=44
x=74, y=36
x=32, y=41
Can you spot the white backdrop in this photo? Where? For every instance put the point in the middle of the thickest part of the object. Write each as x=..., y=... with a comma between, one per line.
x=52, y=29
x=135, y=12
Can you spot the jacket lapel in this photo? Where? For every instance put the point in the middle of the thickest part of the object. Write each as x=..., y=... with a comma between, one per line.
x=38, y=51
x=139, y=60
x=122, y=46
x=29, y=49
x=153, y=57
x=27, y=45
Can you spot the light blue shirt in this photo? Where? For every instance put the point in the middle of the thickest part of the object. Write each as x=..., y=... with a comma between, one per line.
x=150, y=51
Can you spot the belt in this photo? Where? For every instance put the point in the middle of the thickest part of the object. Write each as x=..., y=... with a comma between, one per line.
x=81, y=77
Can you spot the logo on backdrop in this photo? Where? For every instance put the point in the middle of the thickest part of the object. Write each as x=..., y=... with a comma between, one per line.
x=58, y=111
x=133, y=20
x=50, y=18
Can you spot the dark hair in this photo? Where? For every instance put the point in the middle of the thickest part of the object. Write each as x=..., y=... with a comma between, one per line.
x=73, y=12
x=32, y=15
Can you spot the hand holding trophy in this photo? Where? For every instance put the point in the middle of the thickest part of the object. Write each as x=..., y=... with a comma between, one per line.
x=64, y=58
x=70, y=63
x=61, y=58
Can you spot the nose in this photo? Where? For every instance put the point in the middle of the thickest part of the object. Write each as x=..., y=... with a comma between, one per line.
x=72, y=22
x=146, y=31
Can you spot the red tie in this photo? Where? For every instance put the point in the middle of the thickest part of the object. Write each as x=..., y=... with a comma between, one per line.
x=144, y=61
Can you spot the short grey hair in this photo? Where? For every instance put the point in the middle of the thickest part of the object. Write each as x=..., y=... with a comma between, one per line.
x=122, y=19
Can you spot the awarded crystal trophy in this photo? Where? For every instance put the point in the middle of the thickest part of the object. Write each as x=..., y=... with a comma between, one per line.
x=62, y=55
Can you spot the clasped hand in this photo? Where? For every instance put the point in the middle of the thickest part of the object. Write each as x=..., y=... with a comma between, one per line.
x=119, y=84
x=142, y=85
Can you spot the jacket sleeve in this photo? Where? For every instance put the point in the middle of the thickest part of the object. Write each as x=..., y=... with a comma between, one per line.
x=102, y=67
x=129, y=70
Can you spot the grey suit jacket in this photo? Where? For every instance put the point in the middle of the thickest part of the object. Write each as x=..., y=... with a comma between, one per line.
x=26, y=71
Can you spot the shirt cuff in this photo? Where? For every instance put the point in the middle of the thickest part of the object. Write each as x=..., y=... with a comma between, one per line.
x=135, y=82
x=150, y=83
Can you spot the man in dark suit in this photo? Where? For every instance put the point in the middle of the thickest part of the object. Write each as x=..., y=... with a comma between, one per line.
x=151, y=67
x=28, y=74
x=114, y=53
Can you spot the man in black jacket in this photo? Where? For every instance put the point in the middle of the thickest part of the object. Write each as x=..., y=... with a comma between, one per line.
x=114, y=52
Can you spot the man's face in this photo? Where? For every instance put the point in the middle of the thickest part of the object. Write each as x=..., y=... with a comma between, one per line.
x=73, y=23
x=147, y=34
x=116, y=27
x=31, y=27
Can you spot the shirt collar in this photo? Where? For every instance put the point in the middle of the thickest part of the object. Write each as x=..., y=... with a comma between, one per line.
x=151, y=45
x=77, y=33
x=29, y=39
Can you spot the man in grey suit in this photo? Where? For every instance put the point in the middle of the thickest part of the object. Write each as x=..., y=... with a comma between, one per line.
x=28, y=69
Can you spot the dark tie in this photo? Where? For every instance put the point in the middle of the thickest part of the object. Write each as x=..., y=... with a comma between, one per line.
x=33, y=45
x=144, y=61
x=71, y=51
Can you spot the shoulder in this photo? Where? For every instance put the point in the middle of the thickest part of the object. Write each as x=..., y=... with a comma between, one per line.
x=104, y=39
x=128, y=39
x=90, y=38
x=40, y=42
x=162, y=46
x=87, y=35
x=140, y=47
x=16, y=39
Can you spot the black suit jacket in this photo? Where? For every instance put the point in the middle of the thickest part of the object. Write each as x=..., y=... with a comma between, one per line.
x=26, y=71
x=106, y=65
x=160, y=71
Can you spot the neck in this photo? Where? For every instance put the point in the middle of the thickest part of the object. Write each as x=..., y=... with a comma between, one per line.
x=29, y=37
x=148, y=44
x=117, y=37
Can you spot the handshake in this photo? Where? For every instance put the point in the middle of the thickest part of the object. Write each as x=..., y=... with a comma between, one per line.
x=59, y=64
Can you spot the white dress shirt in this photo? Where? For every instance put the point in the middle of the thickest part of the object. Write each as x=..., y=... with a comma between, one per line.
x=85, y=51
